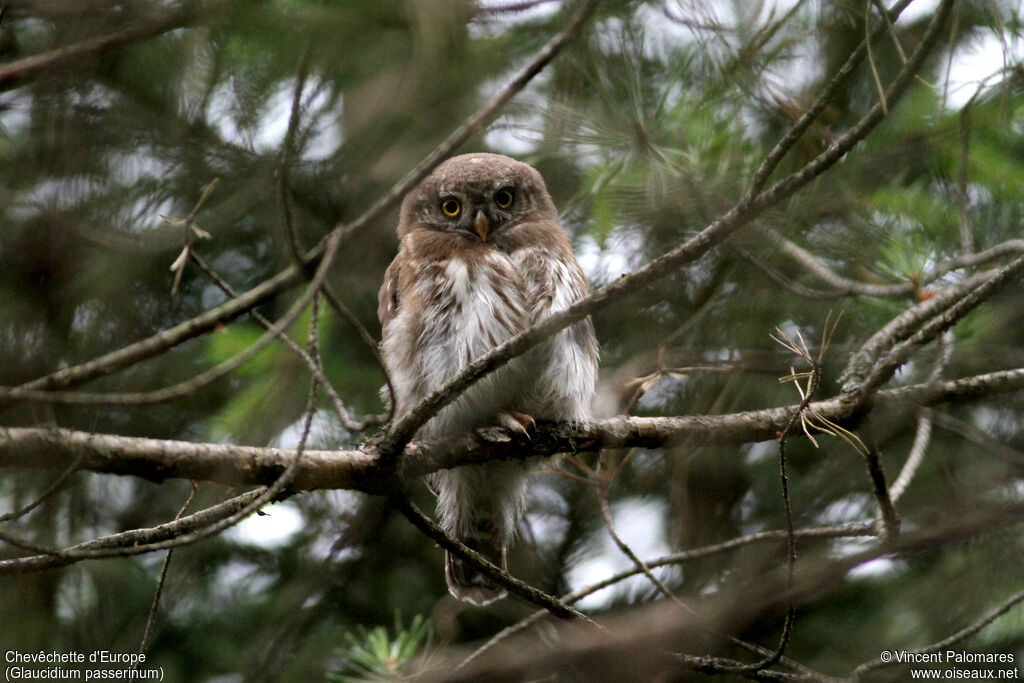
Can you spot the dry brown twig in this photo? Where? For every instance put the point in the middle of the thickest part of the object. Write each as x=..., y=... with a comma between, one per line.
x=810, y=418
x=190, y=231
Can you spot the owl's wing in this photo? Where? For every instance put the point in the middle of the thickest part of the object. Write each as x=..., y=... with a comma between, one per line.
x=554, y=278
x=566, y=381
x=566, y=284
x=387, y=298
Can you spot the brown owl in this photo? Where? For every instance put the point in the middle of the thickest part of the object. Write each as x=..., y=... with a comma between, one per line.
x=481, y=258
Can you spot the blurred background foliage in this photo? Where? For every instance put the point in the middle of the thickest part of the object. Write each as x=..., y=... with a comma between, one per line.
x=646, y=129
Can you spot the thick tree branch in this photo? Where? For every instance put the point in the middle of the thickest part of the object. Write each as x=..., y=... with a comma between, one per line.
x=365, y=470
x=903, y=326
x=902, y=352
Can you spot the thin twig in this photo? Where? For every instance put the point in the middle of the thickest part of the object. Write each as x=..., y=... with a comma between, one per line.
x=843, y=286
x=888, y=19
x=191, y=385
x=796, y=131
x=977, y=436
x=890, y=521
x=190, y=232
x=601, y=481
x=787, y=625
x=963, y=200
x=813, y=377
x=871, y=57
x=922, y=437
x=371, y=344
x=175, y=391
x=297, y=249
x=18, y=542
x=780, y=279
x=155, y=606
x=953, y=29
x=291, y=237
x=923, y=432
x=54, y=486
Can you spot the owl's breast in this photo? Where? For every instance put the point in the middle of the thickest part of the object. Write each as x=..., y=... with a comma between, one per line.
x=475, y=301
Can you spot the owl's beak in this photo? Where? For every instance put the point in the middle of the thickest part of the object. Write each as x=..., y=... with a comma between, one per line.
x=481, y=226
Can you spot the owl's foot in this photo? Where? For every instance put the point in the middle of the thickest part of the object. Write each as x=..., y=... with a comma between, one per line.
x=516, y=422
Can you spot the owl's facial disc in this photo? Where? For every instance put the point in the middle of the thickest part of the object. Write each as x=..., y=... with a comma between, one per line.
x=481, y=209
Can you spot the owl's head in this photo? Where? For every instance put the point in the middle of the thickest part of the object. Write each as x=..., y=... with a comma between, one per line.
x=477, y=196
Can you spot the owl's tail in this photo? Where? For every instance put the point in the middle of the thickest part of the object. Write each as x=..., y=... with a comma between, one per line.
x=467, y=583
x=481, y=507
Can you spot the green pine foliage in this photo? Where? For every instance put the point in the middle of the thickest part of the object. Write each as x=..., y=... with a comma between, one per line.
x=377, y=655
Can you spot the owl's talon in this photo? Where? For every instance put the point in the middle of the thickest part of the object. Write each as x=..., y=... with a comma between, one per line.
x=516, y=422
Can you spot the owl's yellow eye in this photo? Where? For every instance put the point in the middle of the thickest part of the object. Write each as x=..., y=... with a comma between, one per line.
x=451, y=207
x=503, y=198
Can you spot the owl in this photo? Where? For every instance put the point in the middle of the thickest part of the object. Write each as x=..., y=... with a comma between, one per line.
x=482, y=257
